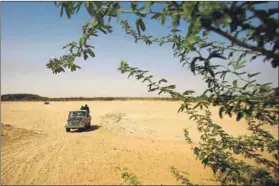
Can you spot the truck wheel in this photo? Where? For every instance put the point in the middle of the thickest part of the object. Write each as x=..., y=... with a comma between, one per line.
x=68, y=130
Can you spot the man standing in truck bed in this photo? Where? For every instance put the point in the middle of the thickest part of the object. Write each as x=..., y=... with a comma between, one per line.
x=87, y=108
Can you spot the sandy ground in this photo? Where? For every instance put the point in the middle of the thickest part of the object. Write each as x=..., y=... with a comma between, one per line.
x=146, y=137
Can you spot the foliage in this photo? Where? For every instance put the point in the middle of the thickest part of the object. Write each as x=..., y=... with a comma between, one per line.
x=22, y=97
x=218, y=154
x=130, y=177
x=250, y=30
x=180, y=177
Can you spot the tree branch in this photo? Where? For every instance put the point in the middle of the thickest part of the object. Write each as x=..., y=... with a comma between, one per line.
x=106, y=10
x=273, y=11
x=265, y=52
x=132, y=12
x=175, y=5
x=251, y=3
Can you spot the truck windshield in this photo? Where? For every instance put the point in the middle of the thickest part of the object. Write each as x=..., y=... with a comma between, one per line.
x=77, y=114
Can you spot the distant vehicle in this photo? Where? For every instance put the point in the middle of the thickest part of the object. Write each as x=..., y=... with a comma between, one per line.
x=78, y=120
x=46, y=103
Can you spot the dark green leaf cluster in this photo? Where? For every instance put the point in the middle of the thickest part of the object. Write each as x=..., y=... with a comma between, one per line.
x=58, y=65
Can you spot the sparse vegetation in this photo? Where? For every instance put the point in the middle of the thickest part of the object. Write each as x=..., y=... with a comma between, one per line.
x=130, y=178
x=22, y=97
x=180, y=177
x=112, y=99
x=33, y=97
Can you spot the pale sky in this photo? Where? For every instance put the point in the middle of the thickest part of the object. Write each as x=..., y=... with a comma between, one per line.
x=34, y=32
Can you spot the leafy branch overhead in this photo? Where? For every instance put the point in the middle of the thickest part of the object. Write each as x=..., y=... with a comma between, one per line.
x=230, y=20
x=247, y=33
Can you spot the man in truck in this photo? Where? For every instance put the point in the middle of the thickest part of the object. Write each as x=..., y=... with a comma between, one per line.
x=85, y=108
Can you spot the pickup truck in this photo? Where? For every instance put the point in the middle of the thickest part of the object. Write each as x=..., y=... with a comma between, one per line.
x=78, y=120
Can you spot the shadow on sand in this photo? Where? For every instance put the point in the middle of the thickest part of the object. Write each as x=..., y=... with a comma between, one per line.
x=92, y=128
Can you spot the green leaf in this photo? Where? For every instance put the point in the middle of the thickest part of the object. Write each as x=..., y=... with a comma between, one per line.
x=103, y=30
x=216, y=54
x=175, y=20
x=181, y=108
x=90, y=9
x=221, y=110
x=163, y=80
x=205, y=161
x=78, y=6
x=68, y=10
x=229, y=113
x=231, y=54
x=253, y=58
x=140, y=25
x=239, y=64
x=90, y=52
x=211, y=72
x=187, y=92
x=163, y=19
x=133, y=5
x=197, y=105
x=252, y=75
x=193, y=64
x=223, y=75
x=245, y=86
x=156, y=16
x=62, y=9
x=230, y=63
x=74, y=67
x=82, y=40
x=153, y=89
x=239, y=116
x=161, y=91
x=148, y=5
x=170, y=87
x=85, y=56
x=251, y=82
x=227, y=20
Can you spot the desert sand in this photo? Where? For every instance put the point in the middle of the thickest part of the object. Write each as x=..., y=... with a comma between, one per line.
x=146, y=137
